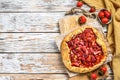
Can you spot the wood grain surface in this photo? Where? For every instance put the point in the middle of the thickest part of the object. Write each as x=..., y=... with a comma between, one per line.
x=33, y=76
x=35, y=5
x=30, y=22
x=31, y=63
x=28, y=42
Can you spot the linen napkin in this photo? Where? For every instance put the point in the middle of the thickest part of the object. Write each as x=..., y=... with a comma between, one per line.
x=113, y=34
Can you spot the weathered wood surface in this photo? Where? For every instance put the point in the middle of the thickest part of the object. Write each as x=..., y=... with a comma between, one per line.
x=31, y=63
x=35, y=5
x=33, y=76
x=27, y=39
x=28, y=42
x=30, y=22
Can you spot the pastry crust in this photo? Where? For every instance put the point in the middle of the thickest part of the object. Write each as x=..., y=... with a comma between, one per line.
x=65, y=50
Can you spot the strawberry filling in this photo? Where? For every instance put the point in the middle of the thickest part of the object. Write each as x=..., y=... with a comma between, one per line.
x=84, y=50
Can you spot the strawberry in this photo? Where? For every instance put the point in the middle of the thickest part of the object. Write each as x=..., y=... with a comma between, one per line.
x=104, y=69
x=107, y=14
x=93, y=76
x=82, y=19
x=79, y=3
x=92, y=9
x=104, y=20
x=101, y=14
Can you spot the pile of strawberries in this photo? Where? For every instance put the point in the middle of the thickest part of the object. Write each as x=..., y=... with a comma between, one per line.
x=104, y=15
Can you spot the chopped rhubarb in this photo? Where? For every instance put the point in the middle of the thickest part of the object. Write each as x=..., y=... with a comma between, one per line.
x=75, y=64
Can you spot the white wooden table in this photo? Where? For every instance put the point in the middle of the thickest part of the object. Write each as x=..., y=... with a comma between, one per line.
x=27, y=39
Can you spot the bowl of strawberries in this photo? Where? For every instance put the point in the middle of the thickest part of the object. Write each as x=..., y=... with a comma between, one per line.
x=104, y=16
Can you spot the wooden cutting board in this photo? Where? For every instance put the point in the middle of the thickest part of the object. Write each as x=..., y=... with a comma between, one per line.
x=66, y=25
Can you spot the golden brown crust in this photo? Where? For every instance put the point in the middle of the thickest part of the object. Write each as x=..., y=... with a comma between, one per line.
x=65, y=50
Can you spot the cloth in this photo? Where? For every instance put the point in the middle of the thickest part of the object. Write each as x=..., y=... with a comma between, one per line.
x=113, y=34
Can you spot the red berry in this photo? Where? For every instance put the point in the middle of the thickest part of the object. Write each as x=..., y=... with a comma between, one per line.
x=79, y=4
x=82, y=19
x=101, y=14
x=107, y=14
x=93, y=76
x=92, y=9
x=104, y=20
x=104, y=69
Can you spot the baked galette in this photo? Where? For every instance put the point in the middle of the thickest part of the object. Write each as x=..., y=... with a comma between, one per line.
x=83, y=50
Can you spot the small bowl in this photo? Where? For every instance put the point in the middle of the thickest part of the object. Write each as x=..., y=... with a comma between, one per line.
x=110, y=20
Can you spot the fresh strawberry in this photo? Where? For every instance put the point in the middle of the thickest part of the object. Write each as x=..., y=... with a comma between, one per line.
x=101, y=14
x=104, y=20
x=79, y=3
x=82, y=19
x=93, y=76
x=107, y=14
x=92, y=9
x=104, y=69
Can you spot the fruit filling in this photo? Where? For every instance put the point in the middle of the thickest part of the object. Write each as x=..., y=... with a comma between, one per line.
x=84, y=50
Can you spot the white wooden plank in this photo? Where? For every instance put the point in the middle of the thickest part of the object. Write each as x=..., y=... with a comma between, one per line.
x=30, y=22
x=36, y=5
x=28, y=42
x=33, y=76
x=31, y=63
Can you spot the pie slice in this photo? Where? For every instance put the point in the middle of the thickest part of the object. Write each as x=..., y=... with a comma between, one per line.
x=83, y=50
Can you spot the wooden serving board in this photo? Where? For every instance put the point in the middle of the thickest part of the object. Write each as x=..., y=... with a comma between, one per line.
x=68, y=23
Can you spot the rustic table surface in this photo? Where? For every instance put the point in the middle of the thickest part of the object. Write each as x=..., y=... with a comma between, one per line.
x=27, y=39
